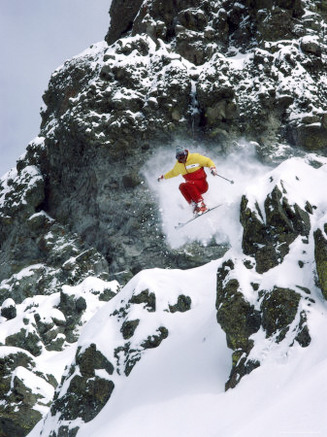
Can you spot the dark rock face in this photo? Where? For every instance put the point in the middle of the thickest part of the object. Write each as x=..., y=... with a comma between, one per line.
x=321, y=258
x=183, y=304
x=105, y=140
x=278, y=311
x=8, y=309
x=122, y=13
x=195, y=26
x=268, y=239
x=239, y=319
x=274, y=312
x=87, y=393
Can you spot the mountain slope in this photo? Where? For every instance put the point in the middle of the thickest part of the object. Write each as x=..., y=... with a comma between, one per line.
x=169, y=357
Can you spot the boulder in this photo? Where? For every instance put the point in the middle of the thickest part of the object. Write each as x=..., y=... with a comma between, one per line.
x=8, y=309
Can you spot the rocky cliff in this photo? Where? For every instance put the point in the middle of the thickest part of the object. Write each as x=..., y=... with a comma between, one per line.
x=206, y=73
x=79, y=204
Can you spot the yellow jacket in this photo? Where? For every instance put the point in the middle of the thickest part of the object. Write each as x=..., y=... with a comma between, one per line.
x=194, y=163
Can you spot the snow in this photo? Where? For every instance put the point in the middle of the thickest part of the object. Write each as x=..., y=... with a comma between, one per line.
x=195, y=360
x=8, y=303
x=36, y=384
x=178, y=389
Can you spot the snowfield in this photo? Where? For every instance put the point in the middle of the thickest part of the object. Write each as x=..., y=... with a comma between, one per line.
x=178, y=388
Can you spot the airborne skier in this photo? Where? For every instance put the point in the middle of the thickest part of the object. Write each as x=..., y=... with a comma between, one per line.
x=191, y=167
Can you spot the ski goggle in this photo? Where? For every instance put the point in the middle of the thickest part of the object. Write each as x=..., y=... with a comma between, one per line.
x=181, y=155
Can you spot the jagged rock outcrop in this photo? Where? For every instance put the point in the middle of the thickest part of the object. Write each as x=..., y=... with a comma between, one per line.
x=253, y=291
x=268, y=234
x=243, y=313
x=172, y=68
x=218, y=69
x=87, y=392
x=239, y=319
x=22, y=403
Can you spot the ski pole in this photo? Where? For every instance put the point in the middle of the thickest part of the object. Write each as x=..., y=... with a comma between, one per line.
x=225, y=178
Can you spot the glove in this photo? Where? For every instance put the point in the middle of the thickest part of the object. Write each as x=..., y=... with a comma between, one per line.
x=161, y=178
x=213, y=171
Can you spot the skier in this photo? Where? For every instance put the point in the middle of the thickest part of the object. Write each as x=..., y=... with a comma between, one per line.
x=191, y=167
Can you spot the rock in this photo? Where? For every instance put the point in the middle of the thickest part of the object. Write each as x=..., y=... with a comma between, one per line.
x=183, y=304
x=149, y=299
x=121, y=23
x=321, y=258
x=268, y=240
x=153, y=341
x=311, y=45
x=311, y=137
x=239, y=319
x=8, y=309
x=128, y=328
x=276, y=312
x=21, y=401
x=29, y=341
x=279, y=309
x=111, y=119
x=87, y=393
x=72, y=307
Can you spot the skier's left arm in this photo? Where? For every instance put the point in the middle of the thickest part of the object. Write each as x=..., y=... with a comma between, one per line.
x=207, y=162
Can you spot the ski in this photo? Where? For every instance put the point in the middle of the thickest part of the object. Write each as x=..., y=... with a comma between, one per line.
x=181, y=225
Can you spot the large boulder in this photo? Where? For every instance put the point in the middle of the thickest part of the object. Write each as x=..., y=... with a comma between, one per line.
x=268, y=239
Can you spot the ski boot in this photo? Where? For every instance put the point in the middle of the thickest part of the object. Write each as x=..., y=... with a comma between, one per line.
x=199, y=208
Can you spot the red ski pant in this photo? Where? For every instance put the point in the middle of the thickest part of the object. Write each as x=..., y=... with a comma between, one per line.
x=193, y=190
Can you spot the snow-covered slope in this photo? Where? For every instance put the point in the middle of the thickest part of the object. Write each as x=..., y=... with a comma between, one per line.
x=168, y=356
